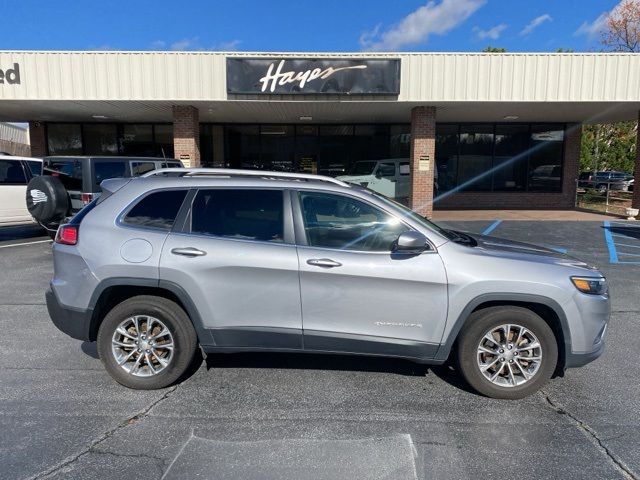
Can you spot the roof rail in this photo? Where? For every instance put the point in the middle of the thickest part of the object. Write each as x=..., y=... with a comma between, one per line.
x=229, y=172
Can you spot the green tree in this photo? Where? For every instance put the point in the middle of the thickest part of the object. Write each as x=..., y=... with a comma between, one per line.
x=490, y=49
x=612, y=146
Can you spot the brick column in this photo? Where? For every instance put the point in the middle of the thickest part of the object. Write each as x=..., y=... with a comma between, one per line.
x=186, y=135
x=38, y=139
x=423, y=150
x=571, y=169
x=636, y=188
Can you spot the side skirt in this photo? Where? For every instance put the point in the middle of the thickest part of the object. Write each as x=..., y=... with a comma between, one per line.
x=257, y=339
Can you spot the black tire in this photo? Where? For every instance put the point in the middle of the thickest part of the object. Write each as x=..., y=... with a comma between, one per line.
x=47, y=199
x=175, y=319
x=482, y=321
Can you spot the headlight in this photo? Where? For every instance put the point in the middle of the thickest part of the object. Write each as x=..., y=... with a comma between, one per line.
x=590, y=285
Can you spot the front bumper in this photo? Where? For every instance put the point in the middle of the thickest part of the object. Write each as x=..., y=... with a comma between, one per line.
x=574, y=360
x=75, y=323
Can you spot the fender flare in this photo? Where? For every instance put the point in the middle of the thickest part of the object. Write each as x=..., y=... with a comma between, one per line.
x=204, y=336
x=445, y=348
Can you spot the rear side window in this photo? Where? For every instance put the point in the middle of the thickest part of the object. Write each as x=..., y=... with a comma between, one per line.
x=12, y=173
x=139, y=168
x=156, y=210
x=105, y=170
x=34, y=167
x=68, y=171
x=386, y=170
x=404, y=168
x=241, y=214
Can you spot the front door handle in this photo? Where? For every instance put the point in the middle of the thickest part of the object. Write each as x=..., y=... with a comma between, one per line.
x=324, y=263
x=188, y=252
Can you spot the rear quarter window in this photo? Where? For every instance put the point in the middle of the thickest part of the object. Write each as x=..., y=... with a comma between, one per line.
x=156, y=210
x=68, y=171
x=12, y=173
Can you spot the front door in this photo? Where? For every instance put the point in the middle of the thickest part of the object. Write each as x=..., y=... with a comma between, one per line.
x=359, y=296
x=384, y=180
x=237, y=262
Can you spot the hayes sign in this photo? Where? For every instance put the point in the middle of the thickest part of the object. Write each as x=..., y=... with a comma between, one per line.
x=313, y=76
x=10, y=75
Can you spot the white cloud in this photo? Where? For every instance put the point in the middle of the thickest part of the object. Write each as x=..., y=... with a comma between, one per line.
x=227, y=46
x=185, y=44
x=430, y=19
x=158, y=44
x=535, y=23
x=493, y=33
x=594, y=28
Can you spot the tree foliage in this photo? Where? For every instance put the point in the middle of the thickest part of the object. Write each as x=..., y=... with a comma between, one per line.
x=613, y=146
x=622, y=31
x=490, y=49
x=609, y=146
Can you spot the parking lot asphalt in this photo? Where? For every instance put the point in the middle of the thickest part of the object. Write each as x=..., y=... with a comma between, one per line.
x=313, y=416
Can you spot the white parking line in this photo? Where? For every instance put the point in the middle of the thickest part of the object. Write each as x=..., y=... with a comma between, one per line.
x=25, y=243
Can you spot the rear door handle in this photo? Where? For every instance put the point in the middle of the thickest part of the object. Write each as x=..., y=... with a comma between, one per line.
x=188, y=252
x=323, y=262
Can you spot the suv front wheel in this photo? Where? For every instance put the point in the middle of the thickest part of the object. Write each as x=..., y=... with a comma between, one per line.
x=507, y=352
x=146, y=342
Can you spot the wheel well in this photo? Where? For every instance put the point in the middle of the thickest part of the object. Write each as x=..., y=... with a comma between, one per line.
x=545, y=312
x=112, y=296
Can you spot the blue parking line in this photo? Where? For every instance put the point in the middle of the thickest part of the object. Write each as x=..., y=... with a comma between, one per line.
x=559, y=250
x=608, y=238
x=491, y=227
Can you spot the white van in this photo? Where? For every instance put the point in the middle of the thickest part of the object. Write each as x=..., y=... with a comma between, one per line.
x=389, y=176
x=15, y=173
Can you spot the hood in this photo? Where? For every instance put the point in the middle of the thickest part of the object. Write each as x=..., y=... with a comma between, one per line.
x=536, y=253
x=354, y=178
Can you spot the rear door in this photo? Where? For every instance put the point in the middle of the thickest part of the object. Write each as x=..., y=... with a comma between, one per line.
x=357, y=295
x=13, y=188
x=236, y=259
x=70, y=171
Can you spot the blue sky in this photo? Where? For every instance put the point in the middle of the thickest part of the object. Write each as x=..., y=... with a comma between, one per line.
x=327, y=25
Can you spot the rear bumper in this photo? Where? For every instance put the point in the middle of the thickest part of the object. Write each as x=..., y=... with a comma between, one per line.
x=75, y=323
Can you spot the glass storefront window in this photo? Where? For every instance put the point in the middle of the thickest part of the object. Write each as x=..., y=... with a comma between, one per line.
x=399, y=141
x=163, y=136
x=100, y=139
x=446, y=158
x=242, y=146
x=476, y=157
x=137, y=140
x=510, y=158
x=277, y=147
x=545, y=158
x=64, y=138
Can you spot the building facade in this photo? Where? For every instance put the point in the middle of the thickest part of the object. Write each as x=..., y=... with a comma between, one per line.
x=481, y=130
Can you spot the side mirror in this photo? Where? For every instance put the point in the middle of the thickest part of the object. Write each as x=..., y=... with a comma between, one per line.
x=411, y=242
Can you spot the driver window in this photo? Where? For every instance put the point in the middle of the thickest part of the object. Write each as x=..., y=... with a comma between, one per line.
x=386, y=170
x=344, y=223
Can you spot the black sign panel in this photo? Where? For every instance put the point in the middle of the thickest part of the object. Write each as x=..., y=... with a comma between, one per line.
x=313, y=76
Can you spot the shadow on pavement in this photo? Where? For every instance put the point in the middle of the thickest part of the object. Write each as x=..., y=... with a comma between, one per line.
x=22, y=232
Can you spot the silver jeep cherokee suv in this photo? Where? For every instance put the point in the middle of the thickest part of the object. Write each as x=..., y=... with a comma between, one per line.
x=252, y=261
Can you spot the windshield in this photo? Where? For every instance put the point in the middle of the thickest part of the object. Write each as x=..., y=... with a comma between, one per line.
x=407, y=212
x=363, y=168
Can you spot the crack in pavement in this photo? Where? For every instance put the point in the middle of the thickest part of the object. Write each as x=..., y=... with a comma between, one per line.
x=593, y=436
x=91, y=447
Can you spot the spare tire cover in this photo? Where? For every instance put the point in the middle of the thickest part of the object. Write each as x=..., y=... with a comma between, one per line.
x=47, y=199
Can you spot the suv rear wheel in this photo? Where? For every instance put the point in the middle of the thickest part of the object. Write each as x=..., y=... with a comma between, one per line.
x=507, y=352
x=146, y=342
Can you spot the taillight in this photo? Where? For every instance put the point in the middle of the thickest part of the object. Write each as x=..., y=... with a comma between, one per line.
x=67, y=235
x=87, y=198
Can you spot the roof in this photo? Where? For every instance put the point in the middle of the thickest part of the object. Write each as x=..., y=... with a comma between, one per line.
x=143, y=86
